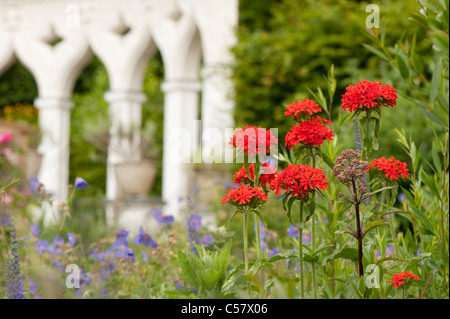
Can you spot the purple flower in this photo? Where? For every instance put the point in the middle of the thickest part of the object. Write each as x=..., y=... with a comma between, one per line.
x=4, y=219
x=34, y=184
x=71, y=239
x=32, y=285
x=129, y=255
x=85, y=277
x=418, y=252
x=145, y=239
x=120, y=245
x=122, y=234
x=59, y=266
x=103, y=292
x=207, y=239
x=14, y=282
x=195, y=221
x=293, y=231
x=35, y=230
x=162, y=219
x=264, y=246
x=41, y=245
x=231, y=185
x=144, y=257
x=56, y=246
x=306, y=237
x=80, y=183
x=389, y=249
x=273, y=252
x=402, y=197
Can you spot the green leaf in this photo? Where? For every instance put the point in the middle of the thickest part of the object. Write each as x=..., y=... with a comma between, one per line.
x=430, y=183
x=377, y=52
x=423, y=219
x=417, y=63
x=374, y=224
x=344, y=253
x=402, y=66
x=436, y=81
x=420, y=19
x=284, y=255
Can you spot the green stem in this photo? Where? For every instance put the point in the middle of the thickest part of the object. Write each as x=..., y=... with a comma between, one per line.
x=58, y=232
x=313, y=248
x=245, y=231
x=259, y=253
x=391, y=223
x=258, y=237
x=300, y=252
x=313, y=244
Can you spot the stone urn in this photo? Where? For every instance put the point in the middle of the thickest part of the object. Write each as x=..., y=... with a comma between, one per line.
x=135, y=178
x=33, y=161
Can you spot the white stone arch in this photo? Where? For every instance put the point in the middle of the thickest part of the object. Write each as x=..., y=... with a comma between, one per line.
x=182, y=30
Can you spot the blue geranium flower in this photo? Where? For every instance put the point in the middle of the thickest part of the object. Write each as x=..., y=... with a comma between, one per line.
x=80, y=183
x=207, y=239
x=35, y=230
x=34, y=184
x=122, y=234
x=33, y=286
x=5, y=219
x=293, y=231
x=41, y=246
x=162, y=219
x=71, y=239
x=121, y=246
x=273, y=252
x=145, y=239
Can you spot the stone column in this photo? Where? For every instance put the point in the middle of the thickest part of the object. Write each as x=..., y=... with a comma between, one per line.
x=125, y=114
x=217, y=100
x=177, y=37
x=55, y=69
x=54, y=122
x=180, y=139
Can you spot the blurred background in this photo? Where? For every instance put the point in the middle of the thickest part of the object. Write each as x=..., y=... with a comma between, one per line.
x=284, y=48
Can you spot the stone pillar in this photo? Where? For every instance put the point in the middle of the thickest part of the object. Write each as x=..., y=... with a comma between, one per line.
x=217, y=100
x=55, y=69
x=180, y=139
x=125, y=114
x=177, y=37
x=54, y=122
x=125, y=57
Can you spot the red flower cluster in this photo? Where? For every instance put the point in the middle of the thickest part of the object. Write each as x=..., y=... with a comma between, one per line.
x=266, y=176
x=244, y=194
x=399, y=279
x=310, y=132
x=301, y=109
x=366, y=95
x=254, y=140
x=391, y=167
x=299, y=180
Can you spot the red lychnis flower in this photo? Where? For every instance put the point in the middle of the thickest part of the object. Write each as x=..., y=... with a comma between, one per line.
x=244, y=195
x=299, y=180
x=399, y=279
x=310, y=132
x=366, y=95
x=266, y=176
x=392, y=168
x=254, y=140
x=302, y=109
